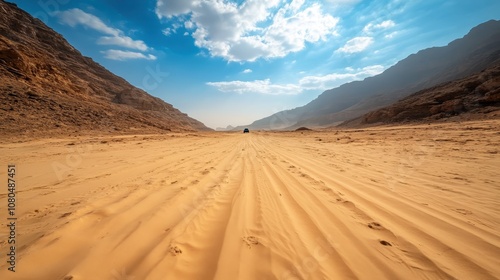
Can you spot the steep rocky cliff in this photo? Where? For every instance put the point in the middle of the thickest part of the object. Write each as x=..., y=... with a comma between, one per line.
x=48, y=87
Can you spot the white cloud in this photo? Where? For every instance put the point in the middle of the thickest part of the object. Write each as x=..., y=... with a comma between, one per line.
x=355, y=45
x=170, y=8
x=257, y=86
x=246, y=71
x=188, y=25
x=74, y=17
x=385, y=24
x=167, y=31
x=296, y=4
x=126, y=55
x=371, y=27
x=123, y=41
x=343, y=2
x=253, y=29
x=306, y=83
x=336, y=79
x=391, y=35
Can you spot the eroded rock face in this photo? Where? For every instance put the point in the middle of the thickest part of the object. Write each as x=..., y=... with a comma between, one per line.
x=477, y=96
x=47, y=85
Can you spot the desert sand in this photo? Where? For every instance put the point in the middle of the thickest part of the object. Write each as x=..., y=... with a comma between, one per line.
x=407, y=202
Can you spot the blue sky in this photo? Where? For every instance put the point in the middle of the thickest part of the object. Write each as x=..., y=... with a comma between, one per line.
x=230, y=62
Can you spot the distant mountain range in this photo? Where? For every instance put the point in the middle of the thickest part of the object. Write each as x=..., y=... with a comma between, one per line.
x=474, y=97
x=476, y=51
x=47, y=86
x=228, y=128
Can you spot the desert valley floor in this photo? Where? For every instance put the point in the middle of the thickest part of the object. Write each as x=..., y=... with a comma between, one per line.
x=407, y=202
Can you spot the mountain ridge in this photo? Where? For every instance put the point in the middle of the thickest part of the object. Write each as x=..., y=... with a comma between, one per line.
x=477, y=50
x=473, y=97
x=49, y=86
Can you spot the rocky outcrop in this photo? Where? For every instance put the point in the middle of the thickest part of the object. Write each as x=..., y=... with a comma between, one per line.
x=47, y=86
x=473, y=97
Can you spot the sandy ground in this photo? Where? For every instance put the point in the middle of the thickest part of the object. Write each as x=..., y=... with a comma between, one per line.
x=416, y=202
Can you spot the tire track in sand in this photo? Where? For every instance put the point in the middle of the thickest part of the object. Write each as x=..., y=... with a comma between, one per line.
x=253, y=206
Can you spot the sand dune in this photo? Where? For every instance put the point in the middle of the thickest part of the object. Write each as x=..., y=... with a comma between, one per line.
x=416, y=202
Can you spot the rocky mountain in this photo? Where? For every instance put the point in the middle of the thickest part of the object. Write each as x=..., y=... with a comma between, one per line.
x=473, y=97
x=48, y=87
x=476, y=51
x=228, y=128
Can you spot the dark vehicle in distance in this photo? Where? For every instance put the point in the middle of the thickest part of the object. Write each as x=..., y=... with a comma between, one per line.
x=246, y=130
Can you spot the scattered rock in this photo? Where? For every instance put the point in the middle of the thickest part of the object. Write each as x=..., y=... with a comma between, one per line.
x=385, y=243
x=251, y=240
x=174, y=250
x=65, y=215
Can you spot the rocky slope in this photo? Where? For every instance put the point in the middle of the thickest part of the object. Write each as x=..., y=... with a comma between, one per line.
x=476, y=51
x=474, y=97
x=47, y=87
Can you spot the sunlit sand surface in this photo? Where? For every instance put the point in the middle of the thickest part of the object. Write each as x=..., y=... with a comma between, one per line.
x=408, y=202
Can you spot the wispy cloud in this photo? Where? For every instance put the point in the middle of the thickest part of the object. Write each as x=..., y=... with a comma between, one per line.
x=257, y=86
x=391, y=35
x=167, y=31
x=246, y=71
x=74, y=17
x=306, y=83
x=378, y=26
x=336, y=79
x=355, y=45
x=116, y=37
x=171, y=30
x=343, y=2
x=254, y=29
x=126, y=55
x=123, y=41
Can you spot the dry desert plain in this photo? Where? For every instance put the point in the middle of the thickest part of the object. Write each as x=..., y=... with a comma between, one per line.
x=407, y=202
